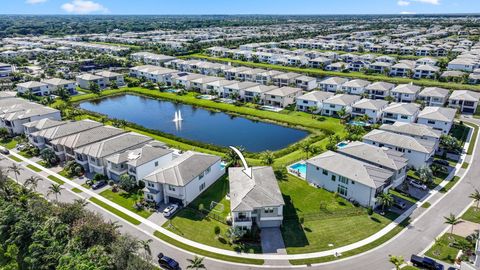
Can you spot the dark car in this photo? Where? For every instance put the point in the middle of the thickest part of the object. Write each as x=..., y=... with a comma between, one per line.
x=99, y=184
x=4, y=151
x=426, y=263
x=167, y=262
x=400, y=204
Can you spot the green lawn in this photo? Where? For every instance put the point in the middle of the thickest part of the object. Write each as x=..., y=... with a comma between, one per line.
x=353, y=252
x=408, y=267
x=118, y=44
x=115, y=211
x=126, y=200
x=426, y=205
x=192, y=224
x=9, y=144
x=450, y=184
x=326, y=219
x=472, y=214
x=474, y=138
x=56, y=179
x=443, y=250
x=206, y=253
x=14, y=158
x=33, y=168
x=358, y=75
x=64, y=174
x=465, y=165
x=460, y=132
x=76, y=190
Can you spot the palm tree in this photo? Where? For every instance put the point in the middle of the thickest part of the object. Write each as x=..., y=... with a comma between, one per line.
x=268, y=158
x=16, y=170
x=425, y=174
x=386, y=200
x=232, y=156
x=196, y=263
x=307, y=148
x=452, y=220
x=145, y=244
x=476, y=198
x=32, y=182
x=55, y=189
x=397, y=261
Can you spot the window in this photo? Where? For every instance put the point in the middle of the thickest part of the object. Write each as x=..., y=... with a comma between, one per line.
x=325, y=172
x=156, y=163
x=171, y=188
x=268, y=210
x=404, y=117
x=149, y=197
x=202, y=187
x=150, y=184
x=342, y=190
x=208, y=170
x=343, y=180
x=334, y=178
x=431, y=122
x=201, y=175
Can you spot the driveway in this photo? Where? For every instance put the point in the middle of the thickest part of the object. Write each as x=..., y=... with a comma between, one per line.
x=272, y=241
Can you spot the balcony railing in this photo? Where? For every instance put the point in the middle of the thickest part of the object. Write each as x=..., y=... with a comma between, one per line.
x=243, y=219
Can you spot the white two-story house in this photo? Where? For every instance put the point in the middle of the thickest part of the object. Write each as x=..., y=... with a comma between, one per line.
x=337, y=103
x=256, y=199
x=438, y=118
x=183, y=179
x=373, y=108
x=313, y=101
x=400, y=112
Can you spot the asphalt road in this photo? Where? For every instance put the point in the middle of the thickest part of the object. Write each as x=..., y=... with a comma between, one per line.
x=427, y=225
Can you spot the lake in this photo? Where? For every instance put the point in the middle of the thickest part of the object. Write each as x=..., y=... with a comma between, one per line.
x=198, y=124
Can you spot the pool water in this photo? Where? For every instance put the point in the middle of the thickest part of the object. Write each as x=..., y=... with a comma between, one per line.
x=342, y=144
x=300, y=167
x=358, y=123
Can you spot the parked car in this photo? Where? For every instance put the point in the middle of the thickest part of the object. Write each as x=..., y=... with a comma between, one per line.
x=170, y=210
x=4, y=151
x=167, y=262
x=99, y=184
x=418, y=184
x=426, y=263
x=400, y=204
x=21, y=147
x=441, y=162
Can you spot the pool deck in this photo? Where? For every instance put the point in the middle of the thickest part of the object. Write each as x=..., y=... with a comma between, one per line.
x=297, y=173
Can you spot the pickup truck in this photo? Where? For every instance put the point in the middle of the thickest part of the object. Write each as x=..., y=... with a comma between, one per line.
x=426, y=263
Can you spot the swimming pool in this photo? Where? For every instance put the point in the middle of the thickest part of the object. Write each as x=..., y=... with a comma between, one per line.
x=299, y=168
x=342, y=144
x=359, y=123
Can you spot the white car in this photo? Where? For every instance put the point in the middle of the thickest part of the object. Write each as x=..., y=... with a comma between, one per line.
x=418, y=185
x=169, y=210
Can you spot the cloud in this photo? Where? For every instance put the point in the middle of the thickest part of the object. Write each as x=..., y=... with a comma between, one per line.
x=84, y=7
x=408, y=2
x=432, y=2
x=407, y=13
x=33, y=2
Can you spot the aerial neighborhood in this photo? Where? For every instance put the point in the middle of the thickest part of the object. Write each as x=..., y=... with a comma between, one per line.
x=255, y=140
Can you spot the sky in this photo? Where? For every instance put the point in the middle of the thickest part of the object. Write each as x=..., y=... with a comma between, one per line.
x=166, y=7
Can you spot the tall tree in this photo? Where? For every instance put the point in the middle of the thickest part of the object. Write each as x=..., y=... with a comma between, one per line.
x=268, y=158
x=32, y=182
x=16, y=170
x=452, y=220
x=397, y=261
x=55, y=189
x=196, y=263
x=386, y=200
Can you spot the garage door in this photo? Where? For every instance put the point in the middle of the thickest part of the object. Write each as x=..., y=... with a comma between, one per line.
x=175, y=200
x=468, y=110
x=270, y=223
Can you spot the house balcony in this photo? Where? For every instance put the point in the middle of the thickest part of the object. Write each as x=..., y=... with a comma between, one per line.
x=242, y=219
x=390, y=116
x=117, y=170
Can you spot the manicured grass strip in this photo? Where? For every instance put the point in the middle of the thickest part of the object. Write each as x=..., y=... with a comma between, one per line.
x=207, y=253
x=450, y=184
x=56, y=180
x=474, y=138
x=125, y=200
x=353, y=252
x=33, y=168
x=408, y=267
x=324, y=73
x=465, y=165
x=472, y=214
x=426, y=205
x=9, y=144
x=444, y=250
x=86, y=186
x=76, y=190
x=115, y=211
x=14, y=158
x=403, y=196
x=64, y=174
